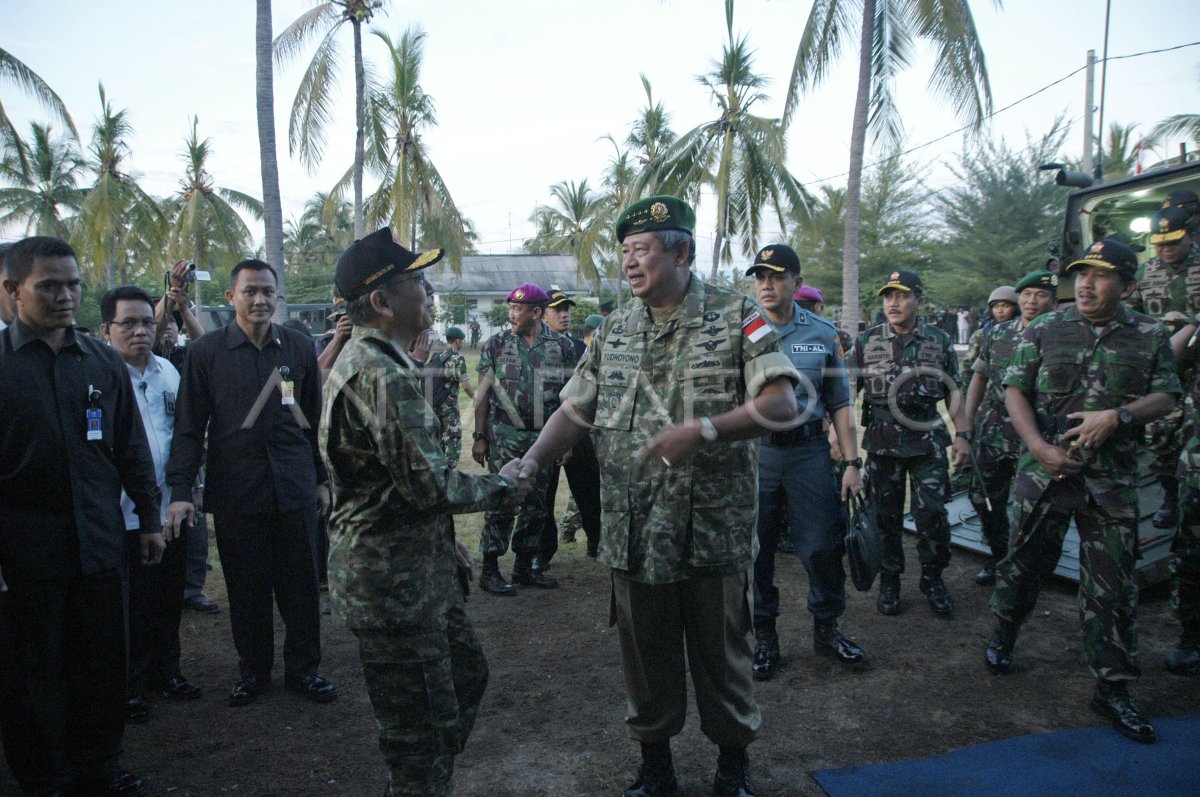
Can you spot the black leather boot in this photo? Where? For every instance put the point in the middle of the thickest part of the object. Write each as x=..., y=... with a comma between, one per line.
x=998, y=656
x=1167, y=516
x=766, y=651
x=889, y=594
x=1185, y=658
x=828, y=640
x=733, y=774
x=491, y=581
x=531, y=574
x=1112, y=701
x=656, y=778
x=933, y=588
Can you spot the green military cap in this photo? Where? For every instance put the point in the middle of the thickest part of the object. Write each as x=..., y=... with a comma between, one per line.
x=454, y=333
x=1170, y=224
x=661, y=212
x=1005, y=293
x=593, y=321
x=901, y=281
x=1041, y=278
x=1109, y=254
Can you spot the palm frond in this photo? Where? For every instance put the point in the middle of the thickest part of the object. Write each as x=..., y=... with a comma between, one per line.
x=312, y=109
x=290, y=41
x=14, y=71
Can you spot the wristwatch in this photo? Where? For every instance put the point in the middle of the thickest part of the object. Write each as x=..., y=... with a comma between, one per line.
x=854, y=463
x=478, y=436
x=1124, y=418
x=707, y=430
x=964, y=435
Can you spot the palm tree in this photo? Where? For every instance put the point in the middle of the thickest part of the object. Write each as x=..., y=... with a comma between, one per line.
x=43, y=183
x=412, y=198
x=116, y=211
x=888, y=30
x=264, y=92
x=14, y=71
x=312, y=110
x=651, y=133
x=206, y=226
x=575, y=224
x=742, y=157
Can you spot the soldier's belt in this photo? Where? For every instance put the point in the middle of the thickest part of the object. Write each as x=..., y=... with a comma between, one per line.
x=794, y=437
x=881, y=414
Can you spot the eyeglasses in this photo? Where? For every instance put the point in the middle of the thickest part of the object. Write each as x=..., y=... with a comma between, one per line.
x=131, y=323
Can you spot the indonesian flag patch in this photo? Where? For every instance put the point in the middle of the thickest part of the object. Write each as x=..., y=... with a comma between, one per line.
x=755, y=327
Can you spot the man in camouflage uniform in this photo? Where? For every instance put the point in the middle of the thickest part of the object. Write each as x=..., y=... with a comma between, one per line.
x=392, y=565
x=1002, y=306
x=997, y=445
x=905, y=368
x=1169, y=283
x=677, y=383
x=1082, y=379
x=521, y=372
x=451, y=367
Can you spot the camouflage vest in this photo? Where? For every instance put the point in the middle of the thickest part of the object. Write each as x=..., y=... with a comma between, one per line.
x=1164, y=289
x=530, y=378
x=913, y=377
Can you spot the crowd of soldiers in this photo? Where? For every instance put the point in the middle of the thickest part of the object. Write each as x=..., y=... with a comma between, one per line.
x=701, y=431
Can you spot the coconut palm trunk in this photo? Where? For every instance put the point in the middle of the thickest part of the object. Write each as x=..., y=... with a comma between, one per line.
x=858, y=143
x=360, y=112
x=264, y=87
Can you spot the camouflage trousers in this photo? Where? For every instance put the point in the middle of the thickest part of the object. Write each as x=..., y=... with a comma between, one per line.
x=1108, y=592
x=929, y=478
x=525, y=527
x=571, y=522
x=425, y=691
x=1185, y=560
x=995, y=477
x=451, y=420
x=1166, y=437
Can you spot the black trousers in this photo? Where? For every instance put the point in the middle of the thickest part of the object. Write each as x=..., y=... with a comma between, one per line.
x=155, y=607
x=269, y=554
x=583, y=476
x=62, y=678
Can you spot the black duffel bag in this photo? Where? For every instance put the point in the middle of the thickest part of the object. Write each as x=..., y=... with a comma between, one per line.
x=864, y=550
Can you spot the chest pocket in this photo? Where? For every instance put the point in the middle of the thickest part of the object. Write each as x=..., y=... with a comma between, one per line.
x=1127, y=373
x=617, y=383
x=1060, y=371
x=879, y=369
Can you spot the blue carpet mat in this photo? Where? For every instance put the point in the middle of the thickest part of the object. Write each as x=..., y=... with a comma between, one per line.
x=1082, y=761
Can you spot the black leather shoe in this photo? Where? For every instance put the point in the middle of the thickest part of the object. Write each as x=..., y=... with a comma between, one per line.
x=180, y=688
x=998, y=656
x=733, y=776
x=933, y=588
x=136, y=711
x=246, y=691
x=1185, y=658
x=828, y=640
x=986, y=576
x=201, y=604
x=1112, y=701
x=656, y=777
x=889, y=594
x=491, y=581
x=123, y=784
x=313, y=688
x=767, y=659
x=593, y=552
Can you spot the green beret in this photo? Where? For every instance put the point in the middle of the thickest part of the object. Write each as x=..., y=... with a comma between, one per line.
x=454, y=333
x=656, y=213
x=593, y=321
x=1038, y=279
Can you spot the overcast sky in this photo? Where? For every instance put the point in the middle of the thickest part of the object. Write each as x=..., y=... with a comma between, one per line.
x=526, y=88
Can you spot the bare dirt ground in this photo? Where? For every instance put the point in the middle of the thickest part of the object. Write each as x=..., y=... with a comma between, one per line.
x=551, y=722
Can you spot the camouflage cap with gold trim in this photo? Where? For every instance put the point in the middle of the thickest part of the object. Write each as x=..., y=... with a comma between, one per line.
x=1110, y=254
x=662, y=212
x=776, y=257
x=902, y=281
x=559, y=299
x=1042, y=278
x=1170, y=224
x=374, y=259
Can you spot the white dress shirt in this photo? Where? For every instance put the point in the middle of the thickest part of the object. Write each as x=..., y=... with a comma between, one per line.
x=155, y=390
